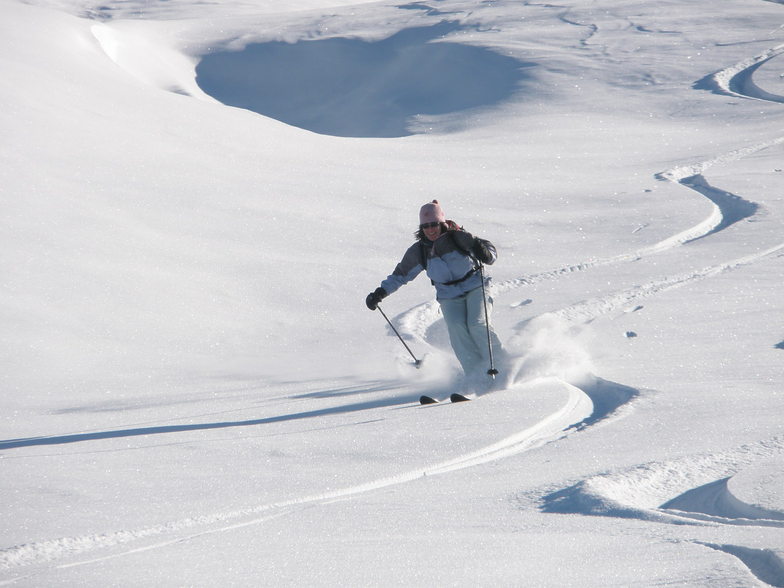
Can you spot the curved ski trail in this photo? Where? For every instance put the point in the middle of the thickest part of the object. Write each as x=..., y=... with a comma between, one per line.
x=574, y=409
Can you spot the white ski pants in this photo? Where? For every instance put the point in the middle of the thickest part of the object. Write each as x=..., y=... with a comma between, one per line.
x=465, y=322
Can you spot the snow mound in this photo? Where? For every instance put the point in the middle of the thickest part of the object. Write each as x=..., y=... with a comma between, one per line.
x=722, y=488
x=147, y=58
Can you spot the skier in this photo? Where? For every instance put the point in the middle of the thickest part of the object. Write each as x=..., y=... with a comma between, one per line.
x=451, y=258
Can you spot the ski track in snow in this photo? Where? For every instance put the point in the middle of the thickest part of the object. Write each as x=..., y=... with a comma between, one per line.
x=737, y=80
x=588, y=310
x=727, y=210
x=695, y=489
x=548, y=429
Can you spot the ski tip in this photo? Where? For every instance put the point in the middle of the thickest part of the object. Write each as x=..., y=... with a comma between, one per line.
x=427, y=400
x=459, y=398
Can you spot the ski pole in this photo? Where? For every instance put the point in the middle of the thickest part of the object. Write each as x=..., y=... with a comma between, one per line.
x=417, y=362
x=492, y=372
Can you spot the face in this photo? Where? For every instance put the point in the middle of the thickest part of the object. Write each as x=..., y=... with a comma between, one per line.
x=432, y=230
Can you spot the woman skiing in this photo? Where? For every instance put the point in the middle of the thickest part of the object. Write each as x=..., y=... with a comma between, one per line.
x=451, y=257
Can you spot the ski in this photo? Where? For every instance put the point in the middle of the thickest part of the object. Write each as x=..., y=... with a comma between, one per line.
x=453, y=398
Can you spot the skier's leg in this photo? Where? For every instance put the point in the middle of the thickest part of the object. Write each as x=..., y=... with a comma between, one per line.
x=478, y=327
x=454, y=311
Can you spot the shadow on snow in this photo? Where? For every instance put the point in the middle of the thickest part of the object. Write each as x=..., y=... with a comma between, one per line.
x=607, y=397
x=733, y=208
x=166, y=429
x=349, y=87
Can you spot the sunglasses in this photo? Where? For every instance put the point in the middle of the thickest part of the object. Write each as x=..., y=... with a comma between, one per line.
x=430, y=225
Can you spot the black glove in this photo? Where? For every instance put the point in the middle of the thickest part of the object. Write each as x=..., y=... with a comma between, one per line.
x=375, y=297
x=485, y=251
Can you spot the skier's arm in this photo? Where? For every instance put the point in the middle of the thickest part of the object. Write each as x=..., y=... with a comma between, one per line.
x=480, y=249
x=405, y=271
x=485, y=251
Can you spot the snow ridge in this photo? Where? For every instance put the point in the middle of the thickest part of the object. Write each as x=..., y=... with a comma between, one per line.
x=692, y=488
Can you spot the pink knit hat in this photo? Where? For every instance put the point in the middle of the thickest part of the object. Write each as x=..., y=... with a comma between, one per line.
x=431, y=213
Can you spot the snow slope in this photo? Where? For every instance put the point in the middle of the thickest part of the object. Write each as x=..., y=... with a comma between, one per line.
x=193, y=390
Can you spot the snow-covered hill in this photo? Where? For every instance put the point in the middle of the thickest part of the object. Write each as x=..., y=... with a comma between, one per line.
x=193, y=392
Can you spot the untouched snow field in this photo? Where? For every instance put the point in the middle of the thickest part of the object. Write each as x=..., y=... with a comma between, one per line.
x=198, y=196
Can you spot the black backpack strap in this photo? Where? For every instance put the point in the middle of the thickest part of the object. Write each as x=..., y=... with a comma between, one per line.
x=463, y=279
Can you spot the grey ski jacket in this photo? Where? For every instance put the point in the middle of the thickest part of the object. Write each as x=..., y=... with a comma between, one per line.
x=450, y=266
